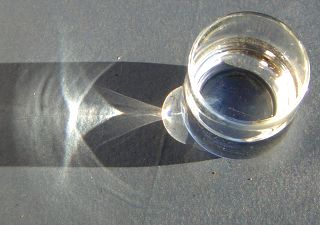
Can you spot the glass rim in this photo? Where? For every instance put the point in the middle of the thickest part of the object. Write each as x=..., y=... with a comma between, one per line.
x=242, y=124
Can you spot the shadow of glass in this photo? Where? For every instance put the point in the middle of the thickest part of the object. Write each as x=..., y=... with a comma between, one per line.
x=40, y=115
x=148, y=145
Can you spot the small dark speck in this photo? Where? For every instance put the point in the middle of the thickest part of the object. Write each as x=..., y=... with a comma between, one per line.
x=193, y=195
x=213, y=173
x=116, y=75
x=250, y=178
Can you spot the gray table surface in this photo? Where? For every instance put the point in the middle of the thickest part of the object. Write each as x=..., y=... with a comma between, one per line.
x=285, y=184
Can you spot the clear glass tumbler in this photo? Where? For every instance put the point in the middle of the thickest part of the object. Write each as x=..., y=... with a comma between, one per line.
x=247, y=73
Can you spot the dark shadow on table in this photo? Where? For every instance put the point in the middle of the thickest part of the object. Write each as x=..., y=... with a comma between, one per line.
x=37, y=102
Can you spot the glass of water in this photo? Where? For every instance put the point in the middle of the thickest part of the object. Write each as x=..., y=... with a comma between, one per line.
x=247, y=73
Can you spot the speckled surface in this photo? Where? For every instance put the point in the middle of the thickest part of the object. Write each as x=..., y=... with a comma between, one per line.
x=279, y=187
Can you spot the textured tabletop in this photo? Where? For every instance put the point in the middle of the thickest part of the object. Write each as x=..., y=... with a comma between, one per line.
x=143, y=177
